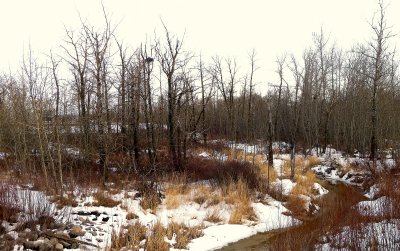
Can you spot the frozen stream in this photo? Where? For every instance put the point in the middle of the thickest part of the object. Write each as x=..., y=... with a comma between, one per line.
x=265, y=241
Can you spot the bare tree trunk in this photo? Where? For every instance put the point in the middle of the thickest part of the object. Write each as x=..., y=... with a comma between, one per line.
x=147, y=64
x=134, y=112
x=171, y=61
x=57, y=123
x=270, y=156
x=280, y=62
x=378, y=55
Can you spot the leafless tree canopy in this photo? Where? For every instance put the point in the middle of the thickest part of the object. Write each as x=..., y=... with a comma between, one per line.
x=102, y=99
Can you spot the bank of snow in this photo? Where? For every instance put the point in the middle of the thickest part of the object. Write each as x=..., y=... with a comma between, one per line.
x=269, y=217
x=384, y=235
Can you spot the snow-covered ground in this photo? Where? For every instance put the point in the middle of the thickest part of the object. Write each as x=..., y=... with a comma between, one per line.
x=283, y=185
x=98, y=222
x=269, y=217
x=383, y=235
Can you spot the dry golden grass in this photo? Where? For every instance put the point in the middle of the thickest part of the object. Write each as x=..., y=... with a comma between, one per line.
x=131, y=216
x=296, y=201
x=299, y=189
x=62, y=201
x=230, y=191
x=231, y=153
x=155, y=241
x=104, y=199
x=173, y=201
x=150, y=195
x=304, y=183
x=241, y=155
x=258, y=159
x=150, y=200
x=308, y=179
x=238, y=154
x=285, y=168
x=238, y=194
x=312, y=161
x=177, y=184
x=183, y=233
x=214, y=200
x=129, y=237
x=242, y=211
x=175, y=191
x=264, y=172
x=201, y=193
x=213, y=216
x=233, y=193
x=236, y=216
x=301, y=165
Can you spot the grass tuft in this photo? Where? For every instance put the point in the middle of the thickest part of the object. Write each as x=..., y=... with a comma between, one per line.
x=183, y=234
x=150, y=195
x=155, y=241
x=63, y=201
x=213, y=216
x=177, y=187
x=104, y=199
x=130, y=237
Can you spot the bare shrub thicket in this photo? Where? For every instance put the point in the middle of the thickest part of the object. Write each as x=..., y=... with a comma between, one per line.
x=28, y=208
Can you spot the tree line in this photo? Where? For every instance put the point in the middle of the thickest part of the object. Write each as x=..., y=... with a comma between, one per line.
x=148, y=105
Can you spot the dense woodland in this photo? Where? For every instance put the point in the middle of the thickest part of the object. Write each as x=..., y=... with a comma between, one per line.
x=146, y=105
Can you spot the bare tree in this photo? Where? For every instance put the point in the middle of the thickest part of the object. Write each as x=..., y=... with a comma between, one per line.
x=205, y=96
x=123, y=74
x=146, y=63
x=36, y=78
x=253, y=69
x=277, y=117
x=297, y=74
x=77, y=56
x=377, y=54
x=54, y=66
x=226, y=87
x=99, y=43
x=321, y=42
x=134, y=90
x=172, y=60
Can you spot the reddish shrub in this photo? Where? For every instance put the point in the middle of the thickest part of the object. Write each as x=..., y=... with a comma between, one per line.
x=225, y=172
x=201, y=169
x=235, y=170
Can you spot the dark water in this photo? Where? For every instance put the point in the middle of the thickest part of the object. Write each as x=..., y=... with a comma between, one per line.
x=256, y=242
x=338, y=194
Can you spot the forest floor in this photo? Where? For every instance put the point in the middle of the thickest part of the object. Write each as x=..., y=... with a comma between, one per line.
x=178, y=212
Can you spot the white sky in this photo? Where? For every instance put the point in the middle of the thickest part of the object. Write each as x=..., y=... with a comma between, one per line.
x=223, y=27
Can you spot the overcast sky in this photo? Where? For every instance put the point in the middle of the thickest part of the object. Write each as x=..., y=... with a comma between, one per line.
x=212, y=27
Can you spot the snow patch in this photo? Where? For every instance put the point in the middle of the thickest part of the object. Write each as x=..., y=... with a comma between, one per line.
x=3, y=155
x=319, y=190
x=379, y=207
x=286, y=185
x=372, y=192
x=216, y=237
